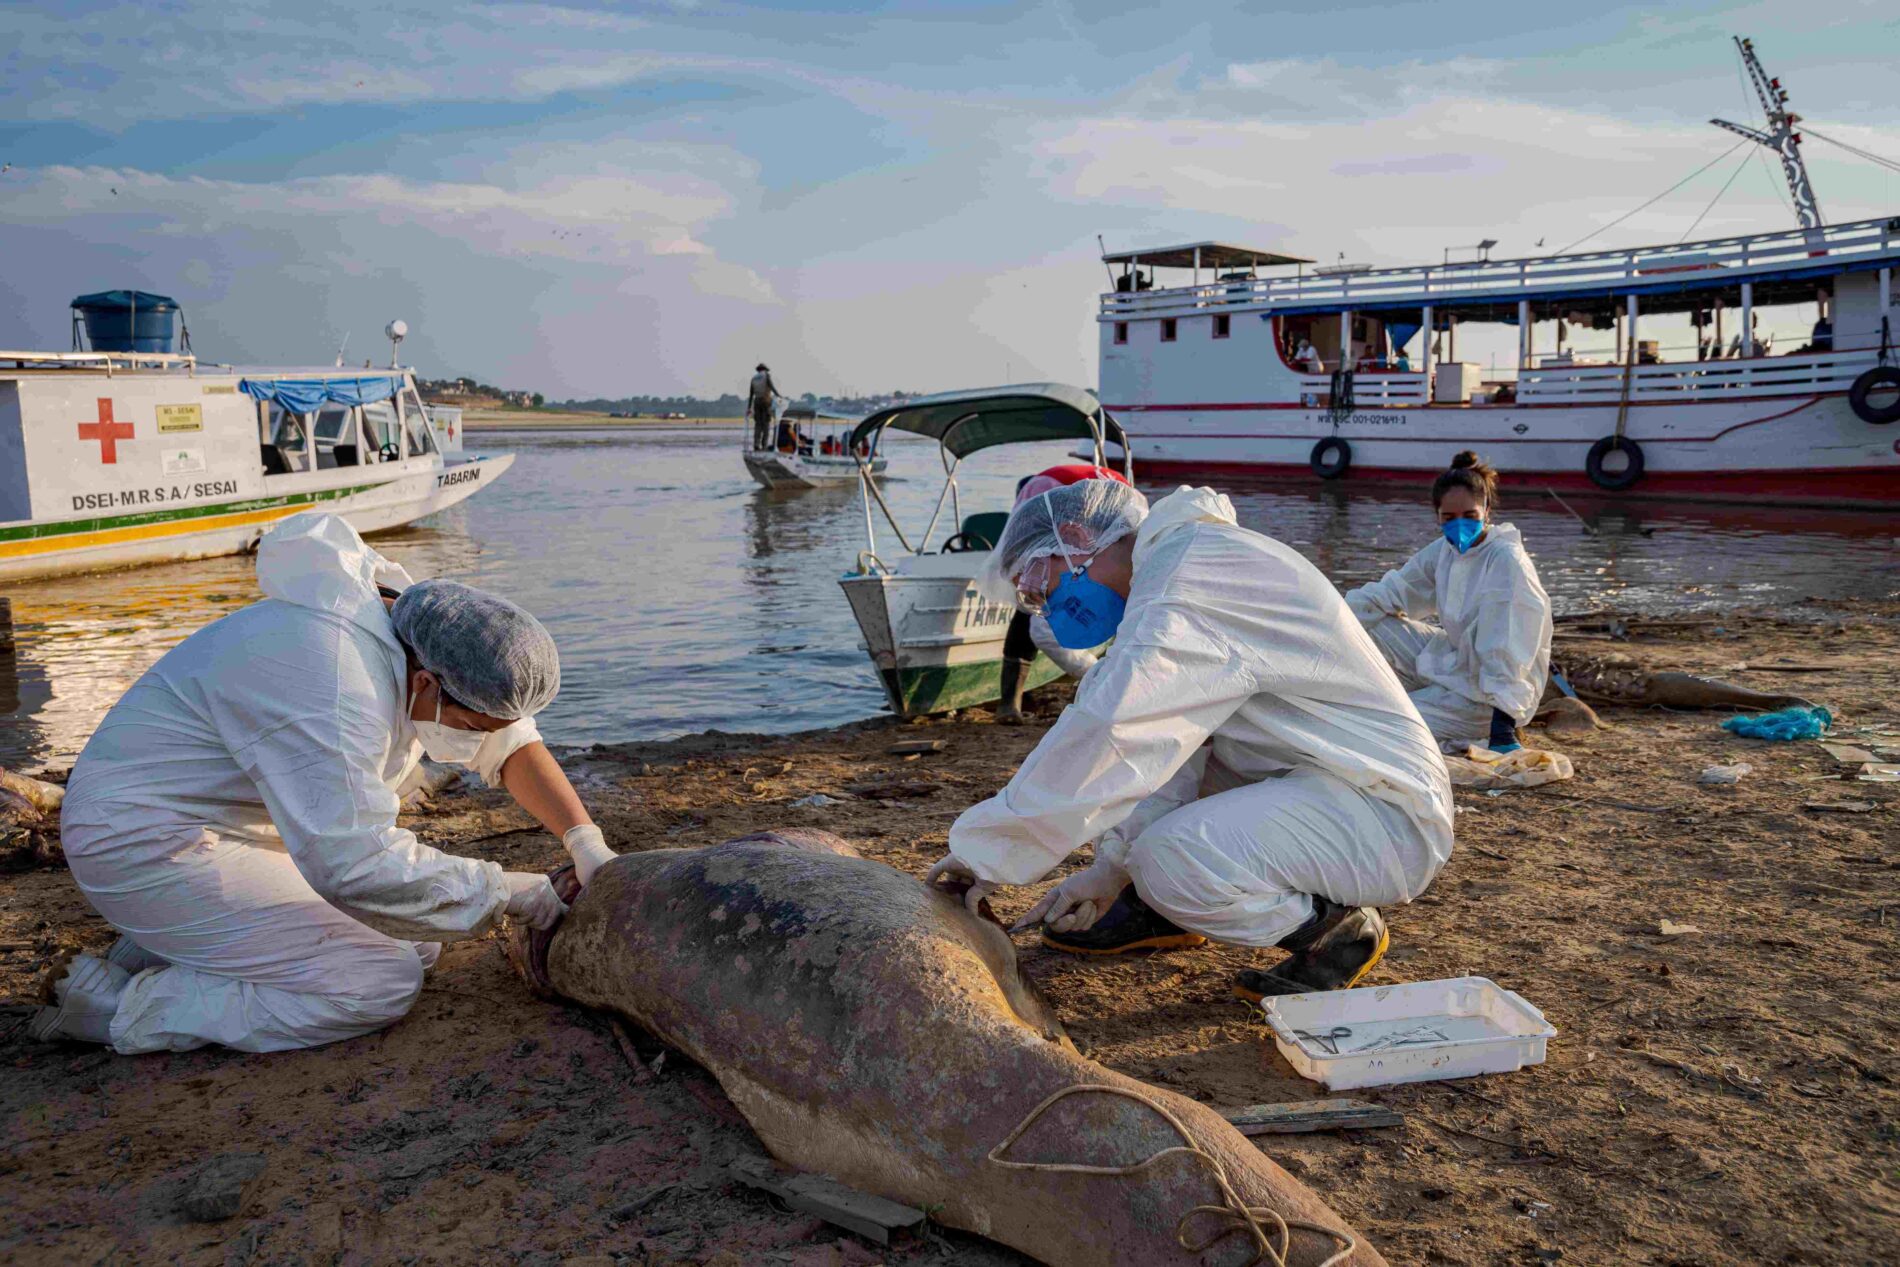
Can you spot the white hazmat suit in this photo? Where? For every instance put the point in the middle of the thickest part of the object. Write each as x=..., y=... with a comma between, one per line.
x=1490, y=647
x=235, y=813
x=1241, y=747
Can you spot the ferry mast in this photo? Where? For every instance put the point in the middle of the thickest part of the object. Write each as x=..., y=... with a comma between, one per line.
x=1780, y=136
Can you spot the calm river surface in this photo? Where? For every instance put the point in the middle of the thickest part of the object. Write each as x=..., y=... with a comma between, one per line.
x=685, y=597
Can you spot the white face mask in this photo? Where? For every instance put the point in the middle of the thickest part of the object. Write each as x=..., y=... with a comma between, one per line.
x=445, y=743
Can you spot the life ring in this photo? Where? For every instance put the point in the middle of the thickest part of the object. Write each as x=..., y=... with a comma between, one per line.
x=1875, y=380
x=1615, y=481
x=1331, y=457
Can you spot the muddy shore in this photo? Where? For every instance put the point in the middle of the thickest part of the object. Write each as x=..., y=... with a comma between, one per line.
x=1723, y=1096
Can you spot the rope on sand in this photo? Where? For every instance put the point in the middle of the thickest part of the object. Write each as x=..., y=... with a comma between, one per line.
x=1236, y=1216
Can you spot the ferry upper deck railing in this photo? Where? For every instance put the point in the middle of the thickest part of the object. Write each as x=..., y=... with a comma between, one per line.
x=1717, y=261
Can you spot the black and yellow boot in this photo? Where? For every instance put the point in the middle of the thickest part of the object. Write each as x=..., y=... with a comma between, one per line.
x=1333, y=950
x=1009, y=709
x=1130, y=924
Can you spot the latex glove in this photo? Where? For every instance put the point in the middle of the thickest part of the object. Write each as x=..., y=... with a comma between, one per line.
x=532, y=900
x=1078, y=901
x=588, y=848
x=956, y=871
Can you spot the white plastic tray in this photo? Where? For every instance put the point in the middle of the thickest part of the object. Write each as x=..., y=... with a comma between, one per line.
x=1427, y=1031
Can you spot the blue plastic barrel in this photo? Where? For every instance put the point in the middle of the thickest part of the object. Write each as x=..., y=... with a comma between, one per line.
x=127, y=320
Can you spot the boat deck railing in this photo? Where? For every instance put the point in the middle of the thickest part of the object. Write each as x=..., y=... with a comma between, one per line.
x=110, y=362
x=1670, y=382
x=1714, y=262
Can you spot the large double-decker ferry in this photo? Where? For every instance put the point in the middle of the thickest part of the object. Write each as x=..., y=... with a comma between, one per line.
x=1223, y=357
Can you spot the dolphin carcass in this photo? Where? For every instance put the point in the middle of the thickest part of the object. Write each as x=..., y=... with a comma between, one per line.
x=872, y=1029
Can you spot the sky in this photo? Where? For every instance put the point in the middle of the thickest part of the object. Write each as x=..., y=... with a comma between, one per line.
x=601, y=199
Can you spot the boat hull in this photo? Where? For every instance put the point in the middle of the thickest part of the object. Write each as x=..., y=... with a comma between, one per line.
x=1810, y=451
x=60, y=547
x=785, y=470
x=937, y=644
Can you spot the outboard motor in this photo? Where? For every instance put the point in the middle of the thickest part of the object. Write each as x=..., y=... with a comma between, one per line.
x=127, y=321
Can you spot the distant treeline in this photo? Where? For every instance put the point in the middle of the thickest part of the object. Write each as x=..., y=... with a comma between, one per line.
x=726, y=406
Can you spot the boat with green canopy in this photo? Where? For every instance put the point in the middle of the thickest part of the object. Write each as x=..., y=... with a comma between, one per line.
x=936, y=642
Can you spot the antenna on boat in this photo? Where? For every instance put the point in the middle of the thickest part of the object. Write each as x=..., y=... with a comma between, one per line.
x=397, y=331
x=340, y=347
x=1780, y=136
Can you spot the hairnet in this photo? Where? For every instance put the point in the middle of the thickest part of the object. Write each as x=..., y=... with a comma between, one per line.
x=1094, y=513
x=491, y=655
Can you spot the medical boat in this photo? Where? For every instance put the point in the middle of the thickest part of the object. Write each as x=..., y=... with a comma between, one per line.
x=809, y=451
x=936, y=642
x=129, y=453
x=1211, y=369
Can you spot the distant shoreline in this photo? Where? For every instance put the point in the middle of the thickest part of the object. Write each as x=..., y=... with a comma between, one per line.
x=557, y=420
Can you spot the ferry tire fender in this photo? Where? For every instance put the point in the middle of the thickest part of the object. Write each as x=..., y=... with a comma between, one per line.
x=1331, y=457
x=1615, y=481
x=1884, y=379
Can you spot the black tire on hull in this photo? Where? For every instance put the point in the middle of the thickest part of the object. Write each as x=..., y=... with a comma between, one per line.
x=1614, y=480
x=1884, y=379
x=1331, y=457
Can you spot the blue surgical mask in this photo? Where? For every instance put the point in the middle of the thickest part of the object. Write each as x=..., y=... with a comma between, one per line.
x=1463, y=533
x=1083, y=612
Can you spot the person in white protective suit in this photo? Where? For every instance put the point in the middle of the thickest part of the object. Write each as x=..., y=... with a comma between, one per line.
x=234, y=816
x=1476, y=674
x=1245, y=761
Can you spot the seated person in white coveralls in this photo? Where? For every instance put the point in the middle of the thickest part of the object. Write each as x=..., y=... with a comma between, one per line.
x=1246, y=763
x=234, y=816
x=1478, y=672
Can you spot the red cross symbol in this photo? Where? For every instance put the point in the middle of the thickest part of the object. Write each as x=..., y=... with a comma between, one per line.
x=107, y=432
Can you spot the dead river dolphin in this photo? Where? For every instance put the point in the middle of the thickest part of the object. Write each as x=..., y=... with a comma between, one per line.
x=870, y=1028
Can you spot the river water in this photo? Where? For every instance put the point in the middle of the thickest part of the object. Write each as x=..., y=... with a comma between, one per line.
x=685, y=597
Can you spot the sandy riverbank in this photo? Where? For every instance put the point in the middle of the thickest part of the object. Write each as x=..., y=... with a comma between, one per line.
x=1721, y=1097
x=560, y=420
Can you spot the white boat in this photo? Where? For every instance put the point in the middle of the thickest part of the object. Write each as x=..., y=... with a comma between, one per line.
x=936, y=642
x=135, y=454
x=812, y=449
x=1202, y=370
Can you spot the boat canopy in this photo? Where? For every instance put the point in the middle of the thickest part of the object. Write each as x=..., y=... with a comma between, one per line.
x=970, y=421
x=306, y=395
x=1212, y=255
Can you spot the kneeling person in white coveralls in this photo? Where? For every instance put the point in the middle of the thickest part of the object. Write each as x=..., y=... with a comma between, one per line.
x=1245, y=761
x=234, y=816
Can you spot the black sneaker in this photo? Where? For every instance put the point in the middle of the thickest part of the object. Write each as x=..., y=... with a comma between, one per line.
x=1332, y=951
x=1130, y=924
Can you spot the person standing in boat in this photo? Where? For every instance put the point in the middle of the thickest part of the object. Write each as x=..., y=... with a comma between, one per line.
x=1029, y=634
x=759, y=398
x=1465, y=622
x=234, y=816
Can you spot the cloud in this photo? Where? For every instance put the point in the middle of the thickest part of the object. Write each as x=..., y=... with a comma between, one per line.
x=586, y=268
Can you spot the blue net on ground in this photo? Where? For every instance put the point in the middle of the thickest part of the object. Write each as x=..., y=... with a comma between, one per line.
x=1787, y=724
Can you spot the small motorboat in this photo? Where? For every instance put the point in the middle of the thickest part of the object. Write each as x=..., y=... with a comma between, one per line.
x=936, y=642
x=811, y=448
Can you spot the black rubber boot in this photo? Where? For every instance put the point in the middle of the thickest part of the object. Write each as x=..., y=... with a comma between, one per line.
x=1333, y=950
x=1130, y=924
x=1009, y=709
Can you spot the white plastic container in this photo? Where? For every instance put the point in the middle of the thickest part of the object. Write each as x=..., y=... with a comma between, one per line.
x=1427, y=1031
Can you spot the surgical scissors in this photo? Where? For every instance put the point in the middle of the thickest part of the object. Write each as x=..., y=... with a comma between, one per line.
x=1330, y=1038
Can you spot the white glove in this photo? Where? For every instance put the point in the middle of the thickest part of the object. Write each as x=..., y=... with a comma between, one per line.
x=588, y=848
x=1078, y=901
x=956, y=870
x=532, y=900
